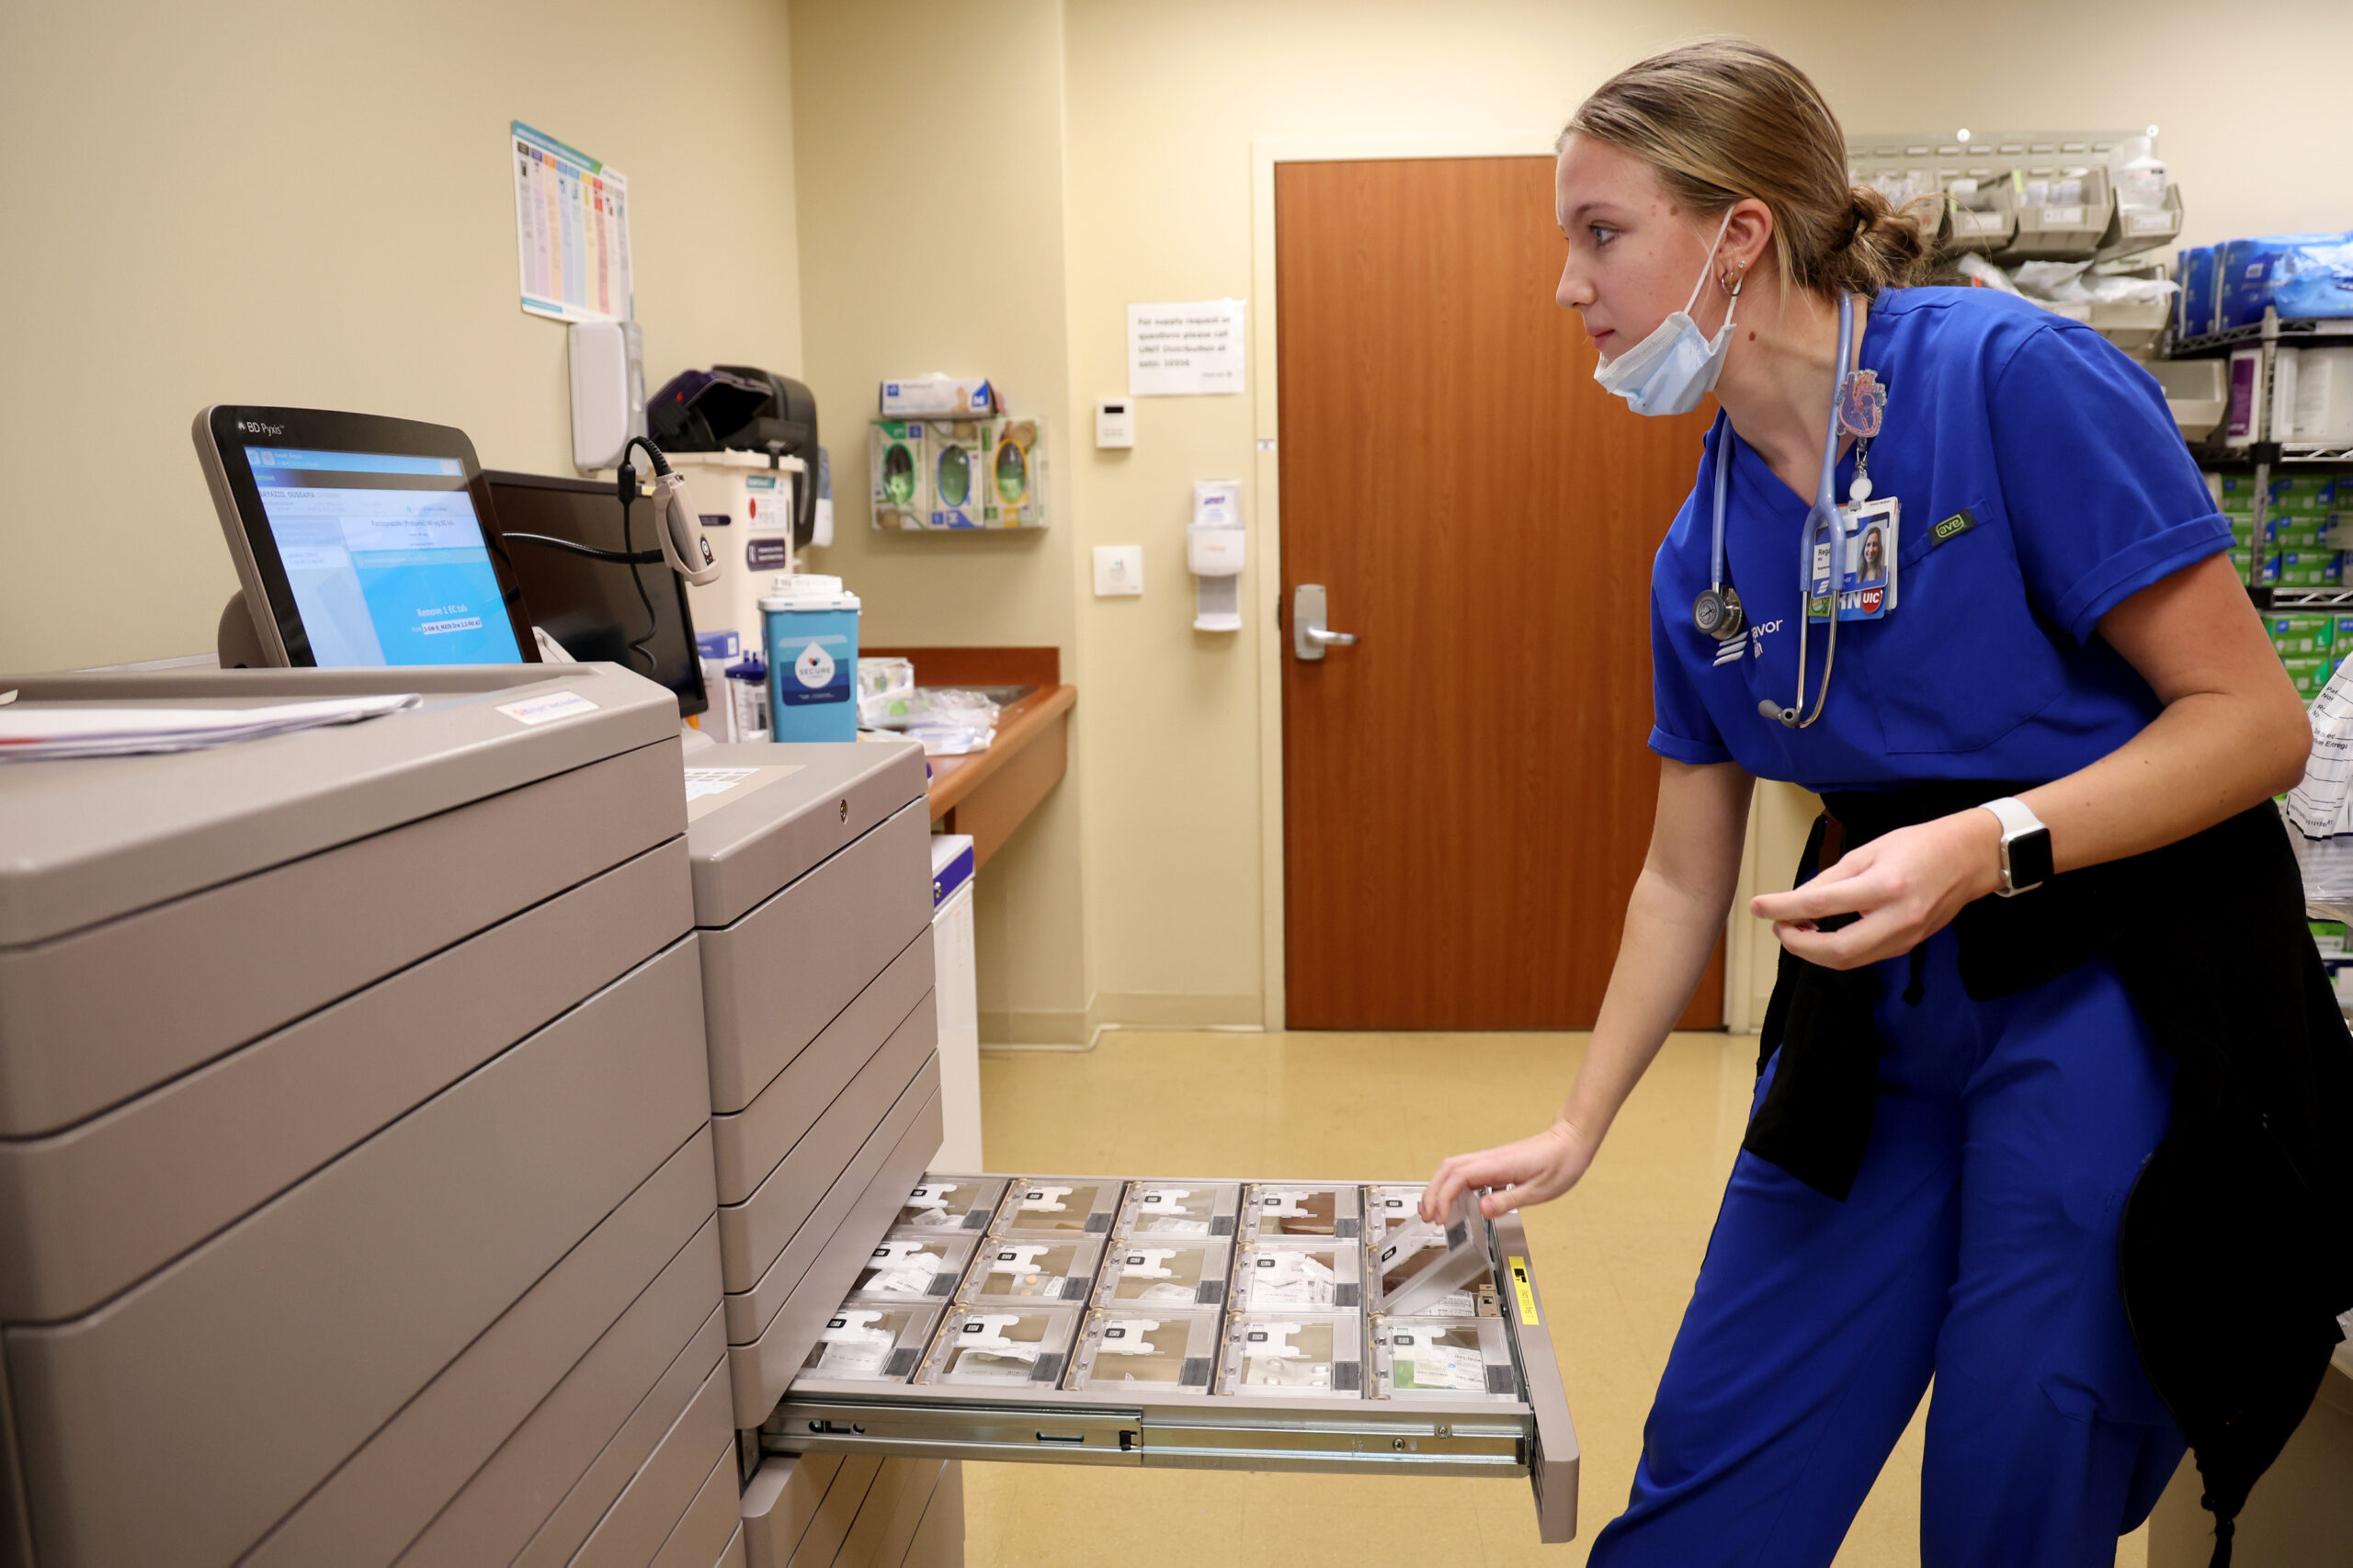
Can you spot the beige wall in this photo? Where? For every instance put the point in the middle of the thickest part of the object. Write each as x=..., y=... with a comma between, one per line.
x=311, y=204
x=929, y=147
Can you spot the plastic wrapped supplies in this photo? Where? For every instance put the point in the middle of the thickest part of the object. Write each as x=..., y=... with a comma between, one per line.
x=2320, y=808
x=948, y=722
x=886, y=692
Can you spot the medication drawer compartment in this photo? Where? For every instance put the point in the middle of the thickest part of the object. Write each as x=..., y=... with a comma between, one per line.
x=1444, y=1366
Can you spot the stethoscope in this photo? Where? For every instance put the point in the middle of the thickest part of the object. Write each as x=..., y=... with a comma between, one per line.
x=1717, y=612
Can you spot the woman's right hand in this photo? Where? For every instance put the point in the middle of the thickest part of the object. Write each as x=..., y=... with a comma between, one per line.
x=1534, y=1170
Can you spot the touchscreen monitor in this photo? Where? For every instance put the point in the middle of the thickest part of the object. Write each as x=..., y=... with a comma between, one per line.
x=368, y=540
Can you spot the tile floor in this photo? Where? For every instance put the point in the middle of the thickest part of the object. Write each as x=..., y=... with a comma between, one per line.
x=1614, y=1259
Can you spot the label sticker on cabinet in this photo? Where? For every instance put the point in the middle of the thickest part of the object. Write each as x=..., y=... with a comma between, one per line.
x=540, y=710
x=1523, y=1291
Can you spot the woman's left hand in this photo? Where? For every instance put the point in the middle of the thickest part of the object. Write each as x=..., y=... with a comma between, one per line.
x=1905, y=885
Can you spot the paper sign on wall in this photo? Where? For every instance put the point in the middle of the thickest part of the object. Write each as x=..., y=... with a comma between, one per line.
x=1189, y=350
x=572, y=231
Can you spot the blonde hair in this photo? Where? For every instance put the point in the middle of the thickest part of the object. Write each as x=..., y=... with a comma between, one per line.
x=1727, y=118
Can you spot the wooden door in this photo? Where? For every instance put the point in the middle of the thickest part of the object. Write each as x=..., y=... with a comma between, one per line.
x=1467, y=791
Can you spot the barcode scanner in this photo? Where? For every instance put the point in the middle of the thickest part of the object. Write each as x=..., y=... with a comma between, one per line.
x=675, y=524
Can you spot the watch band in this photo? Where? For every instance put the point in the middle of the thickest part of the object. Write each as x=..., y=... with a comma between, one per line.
x=2025, y=846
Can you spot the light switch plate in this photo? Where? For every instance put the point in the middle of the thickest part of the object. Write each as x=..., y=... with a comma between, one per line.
x=1119, y=569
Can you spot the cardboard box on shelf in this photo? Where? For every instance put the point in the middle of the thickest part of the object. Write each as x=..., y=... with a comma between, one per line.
x=2302, y=632
x=2310, y=672
x=2310, y=569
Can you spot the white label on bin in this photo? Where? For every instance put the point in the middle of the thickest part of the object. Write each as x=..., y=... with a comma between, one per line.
x=814, y=667
x=1125, y=1337
x=849, y=1327
x=1046, y=1200
x=1272, y=1341
x=2148, y=223
x=1150, y=1263
x=1018, y=1260
x=2062, y=217
x=540, y=710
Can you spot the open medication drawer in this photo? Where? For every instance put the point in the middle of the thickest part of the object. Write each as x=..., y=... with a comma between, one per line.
x=1194, y=1322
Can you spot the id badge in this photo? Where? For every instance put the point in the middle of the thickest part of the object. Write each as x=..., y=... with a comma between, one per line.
x=1867, y=581
x=1821, y=565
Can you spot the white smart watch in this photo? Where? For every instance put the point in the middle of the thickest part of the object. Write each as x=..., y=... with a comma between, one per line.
x=2026, y=847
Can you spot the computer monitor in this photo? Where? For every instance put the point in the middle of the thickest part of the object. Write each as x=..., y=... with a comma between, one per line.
x=360, y=540
x=588, y=606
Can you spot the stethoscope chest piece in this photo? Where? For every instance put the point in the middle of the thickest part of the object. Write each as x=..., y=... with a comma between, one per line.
x=1717, y=612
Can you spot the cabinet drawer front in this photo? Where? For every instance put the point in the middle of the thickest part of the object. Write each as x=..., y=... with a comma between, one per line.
x=229, y=964
x=406, y=1476
x=85, y=1213
x=750, y=1144
x=518, y=1491
x=939, y=1539
x=184, y=1419
x=887, y=1516
x=779, y=1502
x=752, y=1233
x=592, y=1495
x=766, y=1347
x=658, y=1495
x=702, y=1533
x=748, y=843
x=775, y=978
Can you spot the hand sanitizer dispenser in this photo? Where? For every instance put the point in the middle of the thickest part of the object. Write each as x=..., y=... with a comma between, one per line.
x=1213, y=554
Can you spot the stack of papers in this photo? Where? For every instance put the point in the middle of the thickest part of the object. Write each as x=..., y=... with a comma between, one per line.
x=42, y=731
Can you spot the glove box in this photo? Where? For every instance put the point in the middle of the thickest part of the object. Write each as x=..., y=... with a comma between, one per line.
x=1353, y=1367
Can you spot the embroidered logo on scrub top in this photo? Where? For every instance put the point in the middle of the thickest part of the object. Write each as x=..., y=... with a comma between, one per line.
x=1752, y=644
x=1959, y=523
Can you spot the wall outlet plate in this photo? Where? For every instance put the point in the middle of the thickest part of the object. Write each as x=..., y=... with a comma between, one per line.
x=1115, y=422
x=1119, y=569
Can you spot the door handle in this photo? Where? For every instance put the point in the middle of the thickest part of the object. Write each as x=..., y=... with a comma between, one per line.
x=1309, y=636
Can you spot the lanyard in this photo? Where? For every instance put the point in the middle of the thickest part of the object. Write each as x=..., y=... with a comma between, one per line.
x=1824, y=515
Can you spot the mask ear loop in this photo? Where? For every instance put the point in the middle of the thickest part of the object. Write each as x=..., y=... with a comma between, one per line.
x=1721, y=230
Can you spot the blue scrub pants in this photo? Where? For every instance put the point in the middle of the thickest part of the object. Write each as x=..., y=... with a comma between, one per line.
x=1978, y=1247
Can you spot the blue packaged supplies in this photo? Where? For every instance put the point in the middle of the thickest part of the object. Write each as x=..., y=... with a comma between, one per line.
x=2194, y=306
x=2303, y=276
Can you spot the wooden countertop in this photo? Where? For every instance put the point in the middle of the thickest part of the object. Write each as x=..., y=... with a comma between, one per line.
x=954, y=778
x=990, y=793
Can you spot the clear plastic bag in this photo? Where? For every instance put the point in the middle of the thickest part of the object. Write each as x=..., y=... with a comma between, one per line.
x=951, y=722
x=886, y=692
x=948, y=722
x=2319, y=810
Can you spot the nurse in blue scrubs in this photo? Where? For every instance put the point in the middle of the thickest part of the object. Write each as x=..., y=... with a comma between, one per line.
x=2064, y=660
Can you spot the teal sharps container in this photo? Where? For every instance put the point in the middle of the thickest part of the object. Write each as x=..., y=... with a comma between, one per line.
x=811, y=636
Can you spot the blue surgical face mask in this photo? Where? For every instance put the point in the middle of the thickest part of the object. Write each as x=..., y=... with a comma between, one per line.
x=1674, y=367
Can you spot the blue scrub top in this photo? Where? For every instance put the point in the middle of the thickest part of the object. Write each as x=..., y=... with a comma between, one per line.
x=2083, y=493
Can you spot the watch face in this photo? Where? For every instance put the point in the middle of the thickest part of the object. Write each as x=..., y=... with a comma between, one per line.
x=2030, y=859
